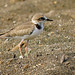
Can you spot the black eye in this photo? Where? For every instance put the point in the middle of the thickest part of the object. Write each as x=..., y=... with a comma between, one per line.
x=42, y=18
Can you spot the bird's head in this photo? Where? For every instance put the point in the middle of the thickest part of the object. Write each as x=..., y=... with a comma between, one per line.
x=39, y=18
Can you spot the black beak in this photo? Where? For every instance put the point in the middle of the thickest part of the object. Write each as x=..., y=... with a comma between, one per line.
x=48, y=20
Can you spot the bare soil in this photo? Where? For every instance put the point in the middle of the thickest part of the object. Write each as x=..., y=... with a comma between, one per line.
x=51, y=53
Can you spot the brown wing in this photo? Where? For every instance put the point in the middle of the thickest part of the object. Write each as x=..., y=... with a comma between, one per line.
x=21, y=30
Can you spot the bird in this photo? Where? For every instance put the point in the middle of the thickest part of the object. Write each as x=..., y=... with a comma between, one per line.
x=27, y=31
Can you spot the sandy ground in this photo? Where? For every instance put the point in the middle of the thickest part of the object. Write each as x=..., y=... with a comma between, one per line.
x=51, y=53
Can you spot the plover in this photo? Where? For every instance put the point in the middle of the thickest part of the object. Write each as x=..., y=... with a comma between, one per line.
x=27, y=31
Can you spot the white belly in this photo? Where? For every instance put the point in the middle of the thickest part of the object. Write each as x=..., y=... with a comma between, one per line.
x=36, y=32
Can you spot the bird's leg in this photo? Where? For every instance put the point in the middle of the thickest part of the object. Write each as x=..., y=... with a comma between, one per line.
x=20, y=48
x=27, y=49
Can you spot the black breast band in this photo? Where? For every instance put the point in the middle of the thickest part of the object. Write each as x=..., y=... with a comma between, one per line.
x=38, y=26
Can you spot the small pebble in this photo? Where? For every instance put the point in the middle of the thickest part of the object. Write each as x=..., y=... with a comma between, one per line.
x=59, y=24
x=54, y=65
x=62, y=59
x=49, y=34
x=38, y=65
x=55, y=2
x=21, y=57
x=74, y=56
x=56, y=56
x=59, y=16
x=14, y=22
x=0, y=52
x=67, y=63
x=26, y=66
x=1, y=61
x=9, y=61
x=8, y=49
x=5, y=5
x=34, y=66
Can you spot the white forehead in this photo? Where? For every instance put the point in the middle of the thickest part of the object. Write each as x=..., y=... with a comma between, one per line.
x=45, y=17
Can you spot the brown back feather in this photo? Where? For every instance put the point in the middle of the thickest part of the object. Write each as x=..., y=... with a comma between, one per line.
x=20, y=30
